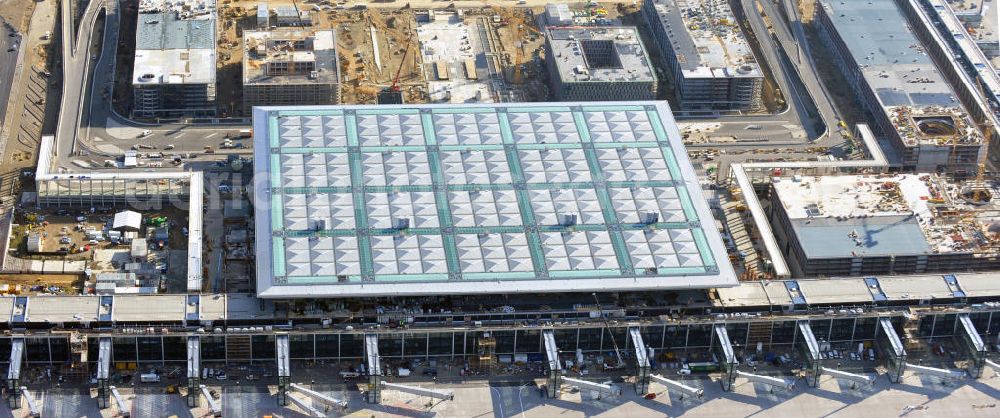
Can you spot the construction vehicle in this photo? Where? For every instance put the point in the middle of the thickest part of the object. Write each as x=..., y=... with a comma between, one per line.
x=393, y=94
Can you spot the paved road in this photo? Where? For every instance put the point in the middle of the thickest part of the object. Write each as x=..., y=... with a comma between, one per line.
x=76, y=65
x=104, y=134
x=8, y=61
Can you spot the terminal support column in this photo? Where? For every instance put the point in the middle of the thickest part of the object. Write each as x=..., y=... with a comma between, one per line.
x=723, y=349
x=553, y=367
x=968, y=339
x=641, y=361
x=374, y=369
x=14, y=373
x=284, y=371
x=103, y=372
x=193, y=370
x=808, y=348
x=890, y=347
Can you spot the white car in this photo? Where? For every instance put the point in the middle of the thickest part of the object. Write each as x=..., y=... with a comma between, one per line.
x=145, y=133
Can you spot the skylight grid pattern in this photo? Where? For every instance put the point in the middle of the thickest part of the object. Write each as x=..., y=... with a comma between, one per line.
x=461, y=194
x=315, y=170
x=467, y=129
x=312, y=131
x=475, y=167
x=481, y=208
x=390, y=130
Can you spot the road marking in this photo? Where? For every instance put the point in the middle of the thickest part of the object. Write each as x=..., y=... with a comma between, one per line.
x=211, y=135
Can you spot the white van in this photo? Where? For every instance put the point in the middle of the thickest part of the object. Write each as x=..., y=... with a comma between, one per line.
x=149, y=378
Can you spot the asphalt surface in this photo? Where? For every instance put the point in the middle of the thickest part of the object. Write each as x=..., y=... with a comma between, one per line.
x=8, y=61
x=76, y=61
x=103, y=134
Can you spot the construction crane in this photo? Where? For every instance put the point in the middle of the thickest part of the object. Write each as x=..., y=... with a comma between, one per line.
x=516, y=24
x=392, y=94
x=607, y=326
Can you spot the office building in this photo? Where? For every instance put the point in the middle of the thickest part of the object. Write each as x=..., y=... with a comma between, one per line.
x=598, y=64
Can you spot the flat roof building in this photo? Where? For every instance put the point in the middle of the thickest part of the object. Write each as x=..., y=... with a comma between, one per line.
x=478, y=199
x=598, y=63
x=558, y=14
x=885, y=224
x=709, y=59
x=290, y=67
x=896, y=82
x=174, y=69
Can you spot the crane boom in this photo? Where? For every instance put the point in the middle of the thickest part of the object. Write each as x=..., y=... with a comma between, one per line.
x=402, y=61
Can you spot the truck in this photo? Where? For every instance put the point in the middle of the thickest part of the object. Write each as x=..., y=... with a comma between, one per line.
x=149, y=378
x=706, y=366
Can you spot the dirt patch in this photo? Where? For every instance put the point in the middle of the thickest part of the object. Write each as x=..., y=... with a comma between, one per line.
x=17, y=13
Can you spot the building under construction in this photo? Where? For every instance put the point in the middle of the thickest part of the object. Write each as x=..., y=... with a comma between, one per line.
x=174, y=67
x=909, y=101
x=708, y=57
x=885, y=224
x=598, y=63
x=290, y=67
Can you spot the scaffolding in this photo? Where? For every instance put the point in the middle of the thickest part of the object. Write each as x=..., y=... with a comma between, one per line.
x=891, y=350
x=722, y=348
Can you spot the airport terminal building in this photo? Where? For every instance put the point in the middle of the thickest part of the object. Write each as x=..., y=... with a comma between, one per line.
x=525, y=198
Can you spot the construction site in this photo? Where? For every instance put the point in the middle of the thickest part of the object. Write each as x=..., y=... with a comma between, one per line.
x=490, y=54
x=886, y=224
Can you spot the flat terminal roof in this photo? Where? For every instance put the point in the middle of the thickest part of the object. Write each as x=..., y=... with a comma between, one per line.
x=539, y=197
x=897, y=68
x=212, y=307
x=837, y=215
x=567, y=44
x=980, y=285
x=150, y=308
x=824, y=292
x=321, y=49
x=914, y=287
x=752, y=293
x=706, y=39
x=63, y=309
